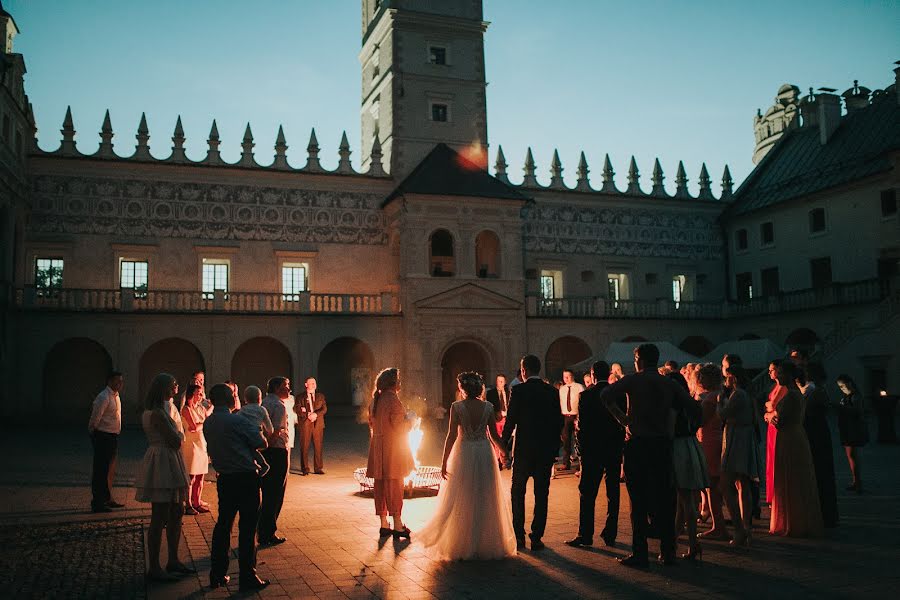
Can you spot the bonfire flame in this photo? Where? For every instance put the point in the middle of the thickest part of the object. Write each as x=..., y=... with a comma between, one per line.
x=415, y=440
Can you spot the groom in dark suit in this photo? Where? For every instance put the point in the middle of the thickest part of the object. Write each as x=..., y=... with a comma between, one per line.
x=536, y=418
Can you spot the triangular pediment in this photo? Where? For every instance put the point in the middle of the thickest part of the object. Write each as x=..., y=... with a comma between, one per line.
x=468, y=296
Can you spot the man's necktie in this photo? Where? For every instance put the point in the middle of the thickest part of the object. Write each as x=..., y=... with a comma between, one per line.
x=569, y=399
x=310, y=400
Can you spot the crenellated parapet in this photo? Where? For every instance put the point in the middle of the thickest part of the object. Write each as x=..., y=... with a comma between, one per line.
x=608, y=186
x=68, y=148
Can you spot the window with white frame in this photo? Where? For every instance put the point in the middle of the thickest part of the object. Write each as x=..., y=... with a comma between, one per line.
x=215, y=276
x=134, y=275
x=617, y=288
x=48, y=275
x=678, y=285
x=293, y=280
x=551, y=284
x=440, y=112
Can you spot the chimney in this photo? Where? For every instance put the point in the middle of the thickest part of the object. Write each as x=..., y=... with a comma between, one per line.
x=829, y=113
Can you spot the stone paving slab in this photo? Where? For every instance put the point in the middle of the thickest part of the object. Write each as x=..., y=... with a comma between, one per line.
x=333, y=551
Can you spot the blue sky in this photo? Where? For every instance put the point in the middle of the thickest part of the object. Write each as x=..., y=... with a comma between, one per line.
x=674, y=80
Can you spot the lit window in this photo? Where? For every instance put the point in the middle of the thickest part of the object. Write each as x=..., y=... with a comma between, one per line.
x=617, y=288
x=437, y=55
x=678, y=283
x=215, y=277
x=547, y=292
x=439, y=113
x=442, y=262
x=293, y=281
x=133, y=275
x=551, y=284
x=48, y=275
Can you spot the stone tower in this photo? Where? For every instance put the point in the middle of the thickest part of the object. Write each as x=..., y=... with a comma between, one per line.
x=422, y=80
x=781, y=116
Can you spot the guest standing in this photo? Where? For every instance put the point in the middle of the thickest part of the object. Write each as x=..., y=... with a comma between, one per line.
x=310, y=410
x=233, y=443
x=775, y=395
x=709, y=385
x=193, y=414
x=615, y=373
x=277, y=455
x=390, y=459
x=852, y=428
x=104, y=427
x=162, y=479
x=795, y=497
x=819, y=435
x=498, y=396
x=569, y=393
x=691, y=476
x=600, y=439
x=647, y=420
x=740, y=453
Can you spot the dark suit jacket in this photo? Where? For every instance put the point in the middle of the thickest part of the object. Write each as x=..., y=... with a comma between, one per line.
x=493, y=396
x=535, y=416
x=302, y=409
x=599, y=434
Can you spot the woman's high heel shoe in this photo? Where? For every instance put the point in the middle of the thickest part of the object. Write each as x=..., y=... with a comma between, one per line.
x=385, y=532
x=703, y=518
x=695, y=553
x=402, y=533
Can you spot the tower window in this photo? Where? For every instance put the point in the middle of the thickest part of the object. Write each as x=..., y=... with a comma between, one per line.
x=817, y=220
x=439, y=113
x=437, y=55
x=442, y=261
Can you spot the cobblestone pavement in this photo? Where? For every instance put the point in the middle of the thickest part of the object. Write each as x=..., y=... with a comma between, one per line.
x=333, y=551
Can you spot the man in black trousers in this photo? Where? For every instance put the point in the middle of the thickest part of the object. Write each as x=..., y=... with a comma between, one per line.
x=535, y=417
x=600, y=438
x=649, y=428
x=231, y=442
x=105, y=425
x=278, y=455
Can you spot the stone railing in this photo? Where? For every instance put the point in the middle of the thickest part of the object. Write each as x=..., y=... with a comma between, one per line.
x=858, y=292
x=172, y=301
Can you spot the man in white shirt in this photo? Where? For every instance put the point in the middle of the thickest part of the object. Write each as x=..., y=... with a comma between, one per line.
x=278, y=455
x=104, y=427
x=569, y=393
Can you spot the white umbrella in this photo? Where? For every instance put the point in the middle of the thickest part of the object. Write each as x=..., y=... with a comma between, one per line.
x=755, y=354
x=623, y=353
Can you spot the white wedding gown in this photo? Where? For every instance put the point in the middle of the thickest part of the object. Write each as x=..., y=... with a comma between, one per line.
x=473, y=517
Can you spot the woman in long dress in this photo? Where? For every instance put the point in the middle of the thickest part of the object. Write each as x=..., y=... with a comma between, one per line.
x=472, y=519
x=390, y=459
x=740, y=453
x=795, y=498
x=196, y=459
x=162, y=479
x=775, y=395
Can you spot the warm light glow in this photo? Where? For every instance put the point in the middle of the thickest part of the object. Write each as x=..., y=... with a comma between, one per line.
x=475, y=154
x=882, y=393
x=415, y=441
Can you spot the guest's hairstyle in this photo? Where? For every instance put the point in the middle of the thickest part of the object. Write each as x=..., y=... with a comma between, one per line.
x=776, y=363
x=251, y=391
x=848, y=381
x=503, y=375
x=739, y=374
x=600, y=370
x=221, y=395
x=190, y=390
x=801, y=353
x=569, y=371
x=788, y=369
x=275, y=383
x=112, y=375
x=671, y=365
x=709, y=377
x=386, y=380
x=159, y=391
x=471, y=383
x=733, y=360
x=531, y=364
x=198, y=372
x=647, y=355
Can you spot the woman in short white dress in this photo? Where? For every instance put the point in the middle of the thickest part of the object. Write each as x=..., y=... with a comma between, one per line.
x=196, y=459
x=162, y=479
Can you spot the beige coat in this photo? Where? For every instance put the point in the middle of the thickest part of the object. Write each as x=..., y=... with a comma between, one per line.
x=389, y=453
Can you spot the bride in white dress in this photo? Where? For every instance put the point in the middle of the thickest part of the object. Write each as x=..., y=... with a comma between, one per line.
x=473, y=518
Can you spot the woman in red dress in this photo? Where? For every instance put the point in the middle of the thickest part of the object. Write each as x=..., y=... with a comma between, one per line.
x=775, y=396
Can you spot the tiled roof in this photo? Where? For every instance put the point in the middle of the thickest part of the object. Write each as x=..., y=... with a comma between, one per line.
x=444, y=172
x=798, y=164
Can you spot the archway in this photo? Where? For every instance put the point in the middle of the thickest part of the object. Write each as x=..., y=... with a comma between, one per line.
x=75, y=371
x=345, y=372
x=460, y=357
x=487, y=254
x=804, y=338
x=564, y=352
x=258, y=359
x=175, y=356
x=696, y=345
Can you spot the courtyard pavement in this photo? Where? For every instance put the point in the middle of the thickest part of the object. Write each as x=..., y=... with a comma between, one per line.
x=51, y=546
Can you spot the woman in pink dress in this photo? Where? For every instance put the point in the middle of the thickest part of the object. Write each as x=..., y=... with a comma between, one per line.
x=709, y=385
x=775, y=396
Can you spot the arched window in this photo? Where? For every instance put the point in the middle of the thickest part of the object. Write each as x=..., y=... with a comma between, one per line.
x=487, y=255
x=442, y=263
